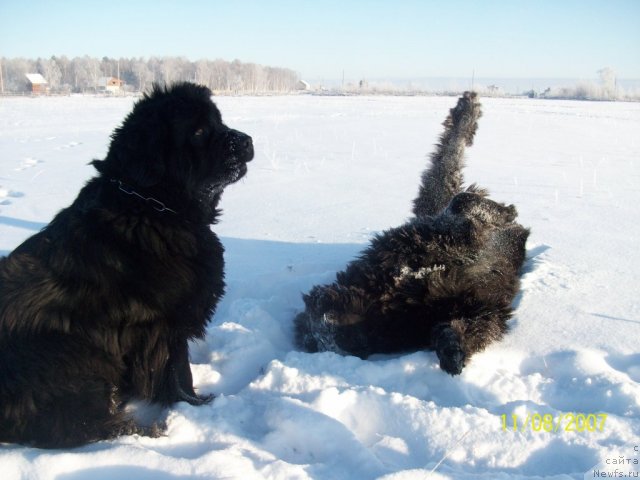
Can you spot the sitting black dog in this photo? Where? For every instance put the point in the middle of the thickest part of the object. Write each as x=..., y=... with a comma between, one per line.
x=97, y=308
x=445, y=280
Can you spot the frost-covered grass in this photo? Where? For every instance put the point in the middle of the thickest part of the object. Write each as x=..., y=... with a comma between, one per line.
x=329, y=172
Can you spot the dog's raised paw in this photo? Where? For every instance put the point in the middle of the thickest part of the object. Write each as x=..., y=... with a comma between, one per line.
x=452, y=361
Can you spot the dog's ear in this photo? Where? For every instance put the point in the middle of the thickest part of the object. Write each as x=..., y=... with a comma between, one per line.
x=137, y=152
x=142, y=163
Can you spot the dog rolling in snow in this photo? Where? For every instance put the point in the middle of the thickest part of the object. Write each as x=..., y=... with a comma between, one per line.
x=443, y=281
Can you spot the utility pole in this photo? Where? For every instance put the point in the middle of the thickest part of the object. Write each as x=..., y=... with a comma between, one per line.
x=120, y=89
x=1, y=79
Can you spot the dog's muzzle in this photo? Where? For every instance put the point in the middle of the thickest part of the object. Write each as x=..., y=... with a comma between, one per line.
x=241, y=146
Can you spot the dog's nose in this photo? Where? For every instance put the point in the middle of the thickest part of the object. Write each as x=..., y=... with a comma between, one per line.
x=245, y=143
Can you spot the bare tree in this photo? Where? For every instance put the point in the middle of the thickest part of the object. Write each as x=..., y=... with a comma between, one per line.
x=143, y=74
x=221, y=76
x=204, y=73
x=50, y=71
x=608, y=81
x=64, y=64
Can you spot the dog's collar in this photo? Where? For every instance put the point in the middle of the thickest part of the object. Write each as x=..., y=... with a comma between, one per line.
x=154, y=203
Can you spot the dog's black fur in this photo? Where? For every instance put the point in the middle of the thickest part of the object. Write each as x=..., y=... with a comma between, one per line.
x=97, y=308
x=445, y=280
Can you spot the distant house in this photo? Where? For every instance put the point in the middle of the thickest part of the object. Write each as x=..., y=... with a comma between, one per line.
x=37, y=83
x=302, y=85
x=111, y=85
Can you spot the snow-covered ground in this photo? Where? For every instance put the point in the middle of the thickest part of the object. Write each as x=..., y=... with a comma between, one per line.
x=329, y=172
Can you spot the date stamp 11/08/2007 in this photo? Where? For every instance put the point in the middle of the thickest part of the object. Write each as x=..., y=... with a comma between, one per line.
x=563, y=422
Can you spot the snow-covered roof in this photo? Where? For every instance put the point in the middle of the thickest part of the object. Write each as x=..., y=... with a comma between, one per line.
x=36, y=78
x=107, y=80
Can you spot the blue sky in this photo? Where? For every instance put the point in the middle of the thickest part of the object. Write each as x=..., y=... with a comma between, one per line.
x=320, y=38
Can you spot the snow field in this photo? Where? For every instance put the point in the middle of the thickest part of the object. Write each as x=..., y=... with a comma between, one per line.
x=328, y=173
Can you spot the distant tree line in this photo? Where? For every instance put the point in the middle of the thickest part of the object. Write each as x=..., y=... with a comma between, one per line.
x=606, y=89
x=82, y=74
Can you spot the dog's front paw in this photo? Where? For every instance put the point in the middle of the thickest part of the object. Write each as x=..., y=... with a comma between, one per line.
x=130, y=427
x=510, y=213
x=195, y=399
x=155, y=430
x=452, y=361
x=449, y=350
x=184, y=392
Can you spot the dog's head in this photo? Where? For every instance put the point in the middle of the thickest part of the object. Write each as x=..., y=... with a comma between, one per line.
x=174, y=142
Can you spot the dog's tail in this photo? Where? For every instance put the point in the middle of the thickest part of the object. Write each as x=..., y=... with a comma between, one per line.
x=443, y=179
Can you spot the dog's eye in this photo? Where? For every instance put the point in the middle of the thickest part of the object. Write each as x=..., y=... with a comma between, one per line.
x=199, y=132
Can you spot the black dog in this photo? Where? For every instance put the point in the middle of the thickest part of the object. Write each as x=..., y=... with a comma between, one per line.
x=98, y=307
x=445, y=280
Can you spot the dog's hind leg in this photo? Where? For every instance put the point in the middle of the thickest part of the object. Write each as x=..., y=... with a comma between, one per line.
x=476, y=207
x=470, y=218
x=443, y=179
x=60, y=397
x=88, y=414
